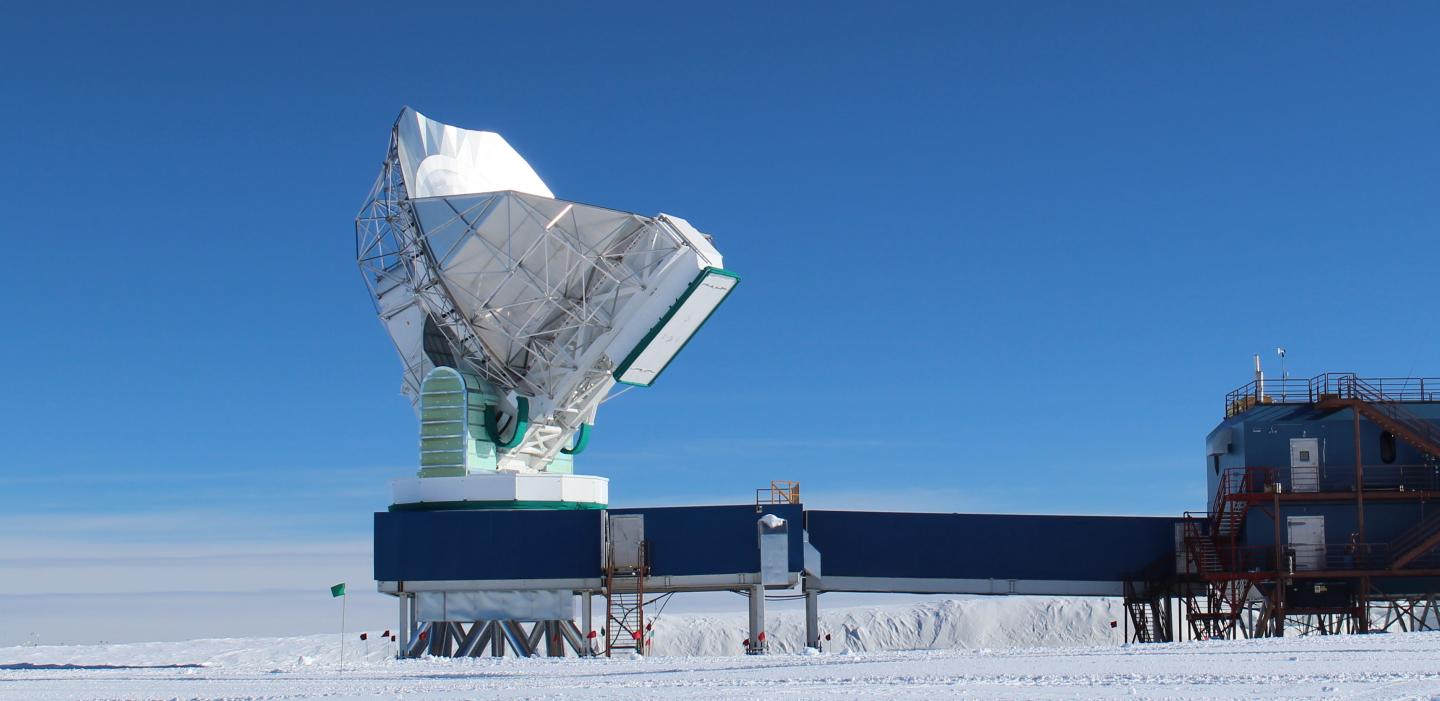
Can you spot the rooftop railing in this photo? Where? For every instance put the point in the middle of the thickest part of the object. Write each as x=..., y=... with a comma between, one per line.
x=779, y=492
x=1344, y=385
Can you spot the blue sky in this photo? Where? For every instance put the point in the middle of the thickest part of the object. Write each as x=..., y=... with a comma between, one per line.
x=996, y=257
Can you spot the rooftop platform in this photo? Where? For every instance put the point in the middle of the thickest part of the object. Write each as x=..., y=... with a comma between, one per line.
x=1328, y=387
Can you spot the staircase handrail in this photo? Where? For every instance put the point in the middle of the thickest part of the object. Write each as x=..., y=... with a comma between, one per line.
x=1190, y=534
x=1403, y=547
x=1236, y=481
x=1389, y=407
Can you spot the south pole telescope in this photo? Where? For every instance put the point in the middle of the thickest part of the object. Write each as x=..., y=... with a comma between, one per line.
x=515, y=313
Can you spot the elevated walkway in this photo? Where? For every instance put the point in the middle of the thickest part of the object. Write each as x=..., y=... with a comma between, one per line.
x=863, y=551
x=708, y=548
x=478, y=562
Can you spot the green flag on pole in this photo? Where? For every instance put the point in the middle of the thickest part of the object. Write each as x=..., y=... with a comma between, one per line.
x=339, y=591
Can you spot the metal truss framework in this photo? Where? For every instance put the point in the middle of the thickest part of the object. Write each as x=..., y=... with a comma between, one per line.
x=524, y=305
x=495, y=637
x=1240, y=609
x=1257, y=618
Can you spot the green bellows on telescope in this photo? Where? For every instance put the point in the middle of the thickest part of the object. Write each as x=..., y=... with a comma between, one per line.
x=454, y=438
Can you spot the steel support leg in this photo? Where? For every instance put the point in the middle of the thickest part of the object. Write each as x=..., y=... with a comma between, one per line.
x=553, y=645
x=535, y=637
x=475, y=640
x=812, y=614
x=586, y=623
x=414, y=602
x=498, y=636
x=456, y=637
x=517, y=637
x=439, y=636
x=757, y=620
x=402, y=631
x=418, y=641
x=578, y=641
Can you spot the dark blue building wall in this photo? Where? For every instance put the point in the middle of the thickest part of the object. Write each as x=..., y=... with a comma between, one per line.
x=486, y=544
x=1261, y=437
x=564, y=544
x=1384, y=520
x=701, y=540
x=721, y=540
x=987, y=546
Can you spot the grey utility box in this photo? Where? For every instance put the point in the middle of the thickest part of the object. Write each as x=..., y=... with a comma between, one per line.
x=774, y=550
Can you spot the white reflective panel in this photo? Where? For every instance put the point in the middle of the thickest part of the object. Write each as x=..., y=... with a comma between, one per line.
x=655, y=353
x=541, y=280
x=406, y=326
x=439, y=159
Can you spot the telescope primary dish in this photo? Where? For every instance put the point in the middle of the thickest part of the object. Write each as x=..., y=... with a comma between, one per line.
x=544, y=303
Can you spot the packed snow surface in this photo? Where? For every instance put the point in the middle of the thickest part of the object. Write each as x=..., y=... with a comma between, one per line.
x=1083, y=660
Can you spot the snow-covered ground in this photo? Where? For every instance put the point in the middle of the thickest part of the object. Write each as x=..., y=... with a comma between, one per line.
x=977, y=648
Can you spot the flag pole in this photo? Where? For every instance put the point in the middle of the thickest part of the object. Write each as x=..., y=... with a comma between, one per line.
x=339, y=590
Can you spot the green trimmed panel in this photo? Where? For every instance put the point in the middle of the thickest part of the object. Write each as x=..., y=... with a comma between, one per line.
x=665, y=319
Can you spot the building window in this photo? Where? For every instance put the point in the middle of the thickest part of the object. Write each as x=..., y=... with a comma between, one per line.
x=1387, y=447
x=1215, y=463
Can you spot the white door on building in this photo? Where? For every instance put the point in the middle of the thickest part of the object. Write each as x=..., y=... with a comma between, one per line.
x=1304, y=464
x=1306, y=535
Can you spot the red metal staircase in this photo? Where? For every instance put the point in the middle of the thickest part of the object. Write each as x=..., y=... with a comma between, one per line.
x=1212, y=549
x=1385, y=409
x=1416, y=542
x=1220, y=527
x=1233, y=497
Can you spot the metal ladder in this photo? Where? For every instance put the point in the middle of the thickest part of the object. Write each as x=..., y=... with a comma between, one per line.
x=625, y=606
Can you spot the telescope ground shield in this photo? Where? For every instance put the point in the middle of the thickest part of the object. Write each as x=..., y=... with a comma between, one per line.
x=644, y=365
